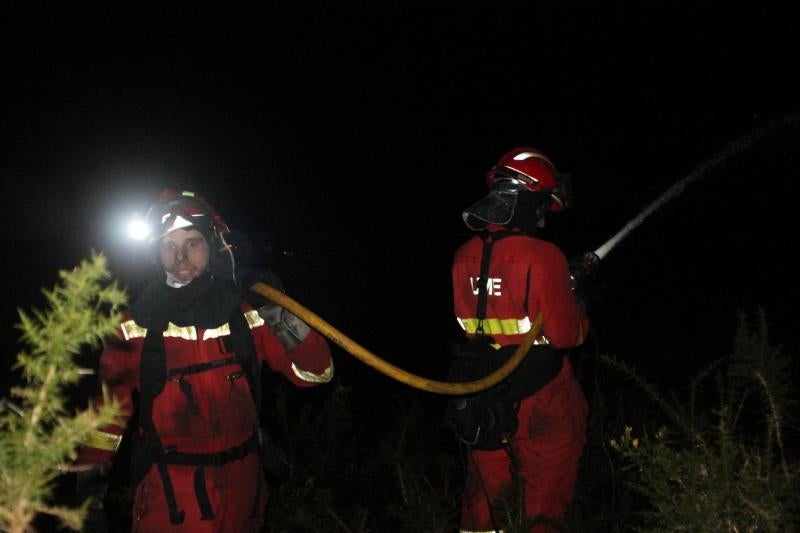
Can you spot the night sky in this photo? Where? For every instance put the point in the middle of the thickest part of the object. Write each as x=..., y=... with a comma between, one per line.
x=346, y=142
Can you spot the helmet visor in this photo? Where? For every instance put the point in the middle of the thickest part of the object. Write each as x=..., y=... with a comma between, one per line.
x=497, y=207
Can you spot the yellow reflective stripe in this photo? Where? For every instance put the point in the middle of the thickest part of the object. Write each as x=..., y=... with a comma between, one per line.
x=188, y=333
x=497, y=326
x=222, y=331
x=254, y=319
x=103, y=441
x=131, y=329
x=310, y=377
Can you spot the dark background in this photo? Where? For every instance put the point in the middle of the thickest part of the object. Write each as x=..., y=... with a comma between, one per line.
x=346, y=142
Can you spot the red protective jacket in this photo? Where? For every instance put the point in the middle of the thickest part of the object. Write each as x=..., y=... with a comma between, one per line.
x=205, y=407
x=526, y=276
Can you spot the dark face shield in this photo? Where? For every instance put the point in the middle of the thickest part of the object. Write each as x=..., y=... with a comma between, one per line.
x=497, y=207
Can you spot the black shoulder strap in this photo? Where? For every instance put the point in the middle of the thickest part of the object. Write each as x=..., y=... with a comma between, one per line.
x=244, y=350
x=486, y=256
x=152, y=377
x=152, y=373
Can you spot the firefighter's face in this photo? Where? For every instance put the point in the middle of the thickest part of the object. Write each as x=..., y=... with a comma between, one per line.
x=184, y=254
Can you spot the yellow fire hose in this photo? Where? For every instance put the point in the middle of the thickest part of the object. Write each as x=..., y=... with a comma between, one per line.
x=398, y=374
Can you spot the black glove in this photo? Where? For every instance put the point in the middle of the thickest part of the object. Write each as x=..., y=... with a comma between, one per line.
x=273, y=457
x=289, y=329
x=93, y=484
x=246, y=278
x=583, y=272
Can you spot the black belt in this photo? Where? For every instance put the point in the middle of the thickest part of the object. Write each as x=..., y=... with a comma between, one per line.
x=169, y=456
x=172, y=457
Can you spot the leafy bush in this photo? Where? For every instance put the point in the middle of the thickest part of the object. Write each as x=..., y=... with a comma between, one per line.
x=720, y=463
x=40, y=434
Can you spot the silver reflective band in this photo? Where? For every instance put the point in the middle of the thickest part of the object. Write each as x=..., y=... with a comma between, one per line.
x=132, y=330
x=289, y=329
x=310, y=377
x=254, y=320
x=178, y=223
x=527, y=155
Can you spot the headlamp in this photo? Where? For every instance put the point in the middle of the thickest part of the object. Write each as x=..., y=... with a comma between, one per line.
x=138, y=229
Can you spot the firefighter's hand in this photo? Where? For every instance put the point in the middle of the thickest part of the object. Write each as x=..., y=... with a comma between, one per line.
x=583, y=269
x=92, y=484
x=290, y=329
x=249, y=277
x=583, y=273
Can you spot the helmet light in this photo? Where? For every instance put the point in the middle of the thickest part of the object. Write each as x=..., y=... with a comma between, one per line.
x=138, y=229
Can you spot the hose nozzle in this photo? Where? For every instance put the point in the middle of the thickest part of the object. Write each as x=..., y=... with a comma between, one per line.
x=582, y=268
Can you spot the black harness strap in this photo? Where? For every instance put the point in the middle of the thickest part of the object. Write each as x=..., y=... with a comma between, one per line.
x=534, y=372
x=152, y=373
x=483, y=281
x=486, y=256
x=152, y=377
x=244, y=352
x=186, y=387
x=171, y=456
x=200, y=367
x=175, y=517
x=200, y=491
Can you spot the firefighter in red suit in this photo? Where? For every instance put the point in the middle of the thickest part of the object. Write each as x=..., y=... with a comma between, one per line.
x=193, y=347
x=526, y=276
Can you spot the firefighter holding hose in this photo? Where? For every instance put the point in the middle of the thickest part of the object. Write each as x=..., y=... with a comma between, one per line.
x=193, y=348
x=503, y=277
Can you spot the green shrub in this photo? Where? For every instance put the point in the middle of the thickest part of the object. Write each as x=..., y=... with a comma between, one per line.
x=39, y=433
x=719, y=463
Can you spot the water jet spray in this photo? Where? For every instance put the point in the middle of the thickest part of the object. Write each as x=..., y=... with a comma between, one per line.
x=585, y=264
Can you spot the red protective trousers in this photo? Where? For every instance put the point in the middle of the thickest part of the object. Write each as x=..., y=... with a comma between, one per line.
x=548, y=443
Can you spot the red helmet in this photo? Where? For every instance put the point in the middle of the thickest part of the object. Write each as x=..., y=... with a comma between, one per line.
x=180, y=210
x=533, y=169
x=523, y=185
x=187, y=210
